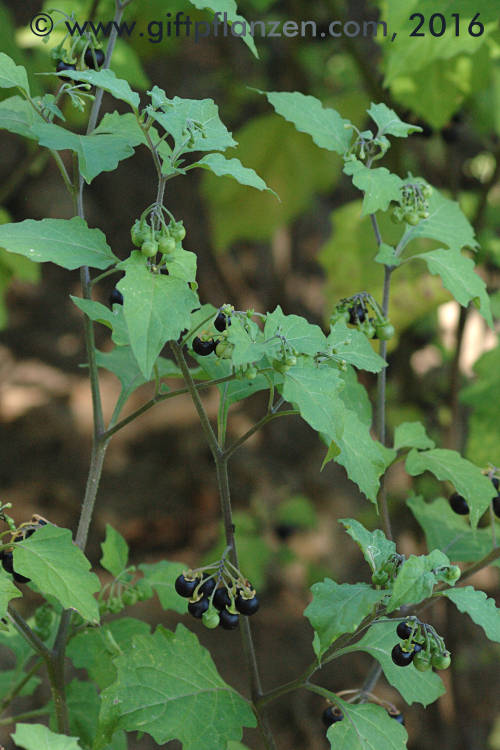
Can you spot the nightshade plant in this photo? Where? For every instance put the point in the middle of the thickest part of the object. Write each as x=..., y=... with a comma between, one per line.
x=152, y=681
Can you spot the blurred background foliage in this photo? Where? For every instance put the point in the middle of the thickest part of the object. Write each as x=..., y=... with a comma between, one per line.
x=305, y=253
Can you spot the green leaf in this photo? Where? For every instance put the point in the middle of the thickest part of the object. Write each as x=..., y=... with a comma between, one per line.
x=12, y=75
x=302, y=336
x=326, y=127
x=59, y=569
x=378, y=184
x=446, y=224
x=288, y=161
x=464, y=475
x=386, y=255
x=7, y=592
x=364, y=458
x=18, y=116
x=113, y=319
x=337, y=609
x=416, y=580
x=229, y=8
x=450, y=532
x=458, y=275
x=177, y=114
x=375, y=546
x=69, y=243
x=168, y=686
x=249, y=343
x=156, y=309
x=415, y=687
x=125, y=126
x=314, y=391
x=222, y=167
x=389, y=123
x=83, y=708
x=412, y=435
x=98, y=152
x=482, y=610
x=122, y=363
x=353, y=346
x=39, y=737
x=182, y=263
x=114, y=552
x=161, y=577
x=107, y=80
x=94, y=649
x=366, y=727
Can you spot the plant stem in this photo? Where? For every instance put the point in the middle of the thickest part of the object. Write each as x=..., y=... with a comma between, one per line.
x=265, y=419
x=24, y=629
x=26, y=715
x=17, y=688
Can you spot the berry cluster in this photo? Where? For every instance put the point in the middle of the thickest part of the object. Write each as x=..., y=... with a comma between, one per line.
x=207, y=343
x=459, y=504
x=18, y=535
x=157, y=236
x=413, y=205
x=386, y=574
x=218, y=597
x=421, y=645
x=362, y=311
x=124, y=592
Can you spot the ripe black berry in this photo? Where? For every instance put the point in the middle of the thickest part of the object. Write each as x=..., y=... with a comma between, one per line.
x=8, y=566
x=399, y=717
x=247, y=606
x=115, y=298
x=61, y=65
x=404, y=630
x=496, y=483
x=227, y=620
x=356, y=314
x=203, y=347
x=459, y=504
x=221, y=598
x=331, y=715
x=184, y=587
x=198, y=608
x=401, y=658
x=496, y=506
x=89, y=58
x=221, y=322
x=207, y=587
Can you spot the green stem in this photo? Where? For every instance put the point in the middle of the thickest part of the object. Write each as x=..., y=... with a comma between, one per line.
x=17, y=688
x=267, y=418
x=28, y=634
x=26, y=715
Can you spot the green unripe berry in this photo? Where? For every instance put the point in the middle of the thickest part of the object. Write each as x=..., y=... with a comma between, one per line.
x=149, y=248
x=179, y=232
x=380, y=578
x=137, y=234
x=251, y=373
x=412, y=218
x=385, y=331
x=422, y=661
x=427, y=191
x=166, y=244
x=210, y=618
x=452, y=574
x=441, y=660
x=129, y=597
x=397, y=215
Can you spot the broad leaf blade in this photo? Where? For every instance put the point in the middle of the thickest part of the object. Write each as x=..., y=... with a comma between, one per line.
x=412, y=435
x=378, y=184
x=12, y=75
x=161, y=577
x=366, y=727
x=168, y=686
x=107, y=80
x=59, y=569
x=375, y=546
x=415, y=580
x=69, y=243
x=353, y=346
x=227, y=10
x=326, y=127
x=7, y=592
x=389, y=123
x=337, y=609
x=482, y=610
x=222, y=167
x=39, y=737
x=114, y=552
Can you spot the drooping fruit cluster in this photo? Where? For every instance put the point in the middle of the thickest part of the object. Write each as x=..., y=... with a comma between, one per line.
x=155, y=236
x=123, y=592
x=420, y=645
x=362, y=311
x=385, y=575
x=24, y=531
x=218, y=594
x=414, y=204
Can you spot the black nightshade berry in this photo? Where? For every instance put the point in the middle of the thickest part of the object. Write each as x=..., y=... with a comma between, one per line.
x=496, y=506
x=89, y=58
x=207, y=587
x=221, y=598
x=184, y=587
x=356, y=314
x=398, y=717
x=247, y=606
x=331, y=715
x=198, y=608
x=404, y=630
x=221, y=322
x=8, y=566
x=228, y=621
x=115, y=298
x=61, y=66
x=401, y=658
x=458, y=503
x=203, y=347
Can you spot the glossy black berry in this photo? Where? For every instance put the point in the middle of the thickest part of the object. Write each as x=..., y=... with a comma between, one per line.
x=496, y=506
x=184, y=587
x=8, y=566
x=398, y=717
x=247, y=606
x=221, y=322
x=458, y=503
x=221, y=598
x=495, y=482
x=89, y=58
x=331, y=715
x=228, y=621
x=115, y=298
x=207, y=587
x=203, y=347
x=401, y=658
x=198, y=608
x=404, y=630
x=61, y=66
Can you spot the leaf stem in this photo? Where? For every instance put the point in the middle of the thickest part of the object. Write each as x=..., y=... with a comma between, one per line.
x=26, y=715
